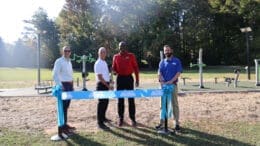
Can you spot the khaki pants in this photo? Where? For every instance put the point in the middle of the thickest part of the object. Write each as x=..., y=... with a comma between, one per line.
x=175, y=106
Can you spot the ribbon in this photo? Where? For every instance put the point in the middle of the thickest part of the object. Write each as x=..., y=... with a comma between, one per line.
x=57, y=92
x=138, y=93
x=166, y=99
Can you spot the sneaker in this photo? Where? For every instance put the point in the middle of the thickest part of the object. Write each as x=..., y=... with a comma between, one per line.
x=177, y=128
x=158, y=127
x=134, y=123
x=120, y=123
x=103, y=127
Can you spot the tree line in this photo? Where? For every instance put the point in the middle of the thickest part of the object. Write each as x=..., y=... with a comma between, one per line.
x=146, y=25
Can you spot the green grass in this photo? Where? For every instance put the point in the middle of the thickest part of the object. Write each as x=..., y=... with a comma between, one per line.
x=27, y=77
x=202, y=133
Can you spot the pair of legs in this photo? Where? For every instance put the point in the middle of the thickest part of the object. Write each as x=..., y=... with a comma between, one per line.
x=102, y=106
x=67, y=86
x=125, y=83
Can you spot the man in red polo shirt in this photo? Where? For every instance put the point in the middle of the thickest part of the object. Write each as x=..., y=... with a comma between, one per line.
x=124, y=64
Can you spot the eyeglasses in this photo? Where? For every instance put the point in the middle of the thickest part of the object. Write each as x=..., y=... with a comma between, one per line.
x=66, y=50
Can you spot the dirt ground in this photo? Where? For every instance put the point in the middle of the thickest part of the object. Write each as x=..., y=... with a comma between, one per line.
x=39, y=113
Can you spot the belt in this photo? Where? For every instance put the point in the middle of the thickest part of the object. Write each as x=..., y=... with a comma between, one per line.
x=99, y=82
x=68, y=82
x=125, y=75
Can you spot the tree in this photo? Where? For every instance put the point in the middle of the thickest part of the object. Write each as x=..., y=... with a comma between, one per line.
x=4, y=54
x=44, y=28
x=78, y=22
x=230, y=16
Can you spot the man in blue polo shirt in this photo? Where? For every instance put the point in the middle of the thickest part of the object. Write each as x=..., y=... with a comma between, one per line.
x=170, y=69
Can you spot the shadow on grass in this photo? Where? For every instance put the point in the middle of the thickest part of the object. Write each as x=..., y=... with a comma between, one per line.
x=81, y=140
x=148, y=136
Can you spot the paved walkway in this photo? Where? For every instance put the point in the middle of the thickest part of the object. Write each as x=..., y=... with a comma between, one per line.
x=21, y=92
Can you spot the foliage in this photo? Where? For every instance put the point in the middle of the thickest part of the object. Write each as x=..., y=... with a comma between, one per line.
x=47, y=32
x=147, y=25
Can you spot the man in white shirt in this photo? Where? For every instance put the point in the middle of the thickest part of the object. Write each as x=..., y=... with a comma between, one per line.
x=102, y=80
x=63, y=75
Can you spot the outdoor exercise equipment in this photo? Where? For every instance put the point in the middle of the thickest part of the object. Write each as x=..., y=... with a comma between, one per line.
x=237, y=72
x=257, y=72
x=200, y=64
x=184, y=80
x=83, y=59
x=229, y=80
x=138, y=93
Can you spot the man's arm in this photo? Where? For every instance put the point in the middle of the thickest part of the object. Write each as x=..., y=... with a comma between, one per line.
x=113, y=68
x=136, y=71
x=101, y=79
x=55, y=73
x=174, y=78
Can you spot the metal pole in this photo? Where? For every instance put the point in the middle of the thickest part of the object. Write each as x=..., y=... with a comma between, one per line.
x=84, y=72
x=200, y=68
x=248, y=57
x=257, y=72
x=38, y=58
x=161, y=55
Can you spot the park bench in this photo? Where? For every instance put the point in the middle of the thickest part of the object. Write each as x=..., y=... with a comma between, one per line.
x=44, y=85
x=184, y=80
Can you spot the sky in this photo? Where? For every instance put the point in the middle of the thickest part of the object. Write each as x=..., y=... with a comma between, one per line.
x=13, y=12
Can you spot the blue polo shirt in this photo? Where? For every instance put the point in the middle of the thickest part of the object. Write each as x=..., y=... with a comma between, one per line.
x=169, y=68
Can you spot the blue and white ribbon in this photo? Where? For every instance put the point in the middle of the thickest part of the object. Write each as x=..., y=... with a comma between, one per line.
x=166, y=112
x=56, y=91
x=138, y=93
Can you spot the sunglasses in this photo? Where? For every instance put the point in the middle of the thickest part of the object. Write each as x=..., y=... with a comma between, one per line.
x=66, y=50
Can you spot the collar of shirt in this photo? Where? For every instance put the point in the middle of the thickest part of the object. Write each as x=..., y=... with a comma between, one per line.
x=123, y=53
x=169, y=59
x=66, y=59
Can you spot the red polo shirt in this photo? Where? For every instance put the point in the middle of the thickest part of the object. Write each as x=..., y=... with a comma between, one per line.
x=125, y=64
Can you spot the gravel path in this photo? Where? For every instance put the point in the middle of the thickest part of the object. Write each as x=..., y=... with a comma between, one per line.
x=39, y=113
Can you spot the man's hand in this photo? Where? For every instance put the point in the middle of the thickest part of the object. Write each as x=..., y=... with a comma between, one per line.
x=168, y=82
x=137, y=84
x=111, y=88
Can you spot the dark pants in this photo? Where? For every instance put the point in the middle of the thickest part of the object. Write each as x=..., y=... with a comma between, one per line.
x=125, y=83
x=67, y=86
x=102, y=104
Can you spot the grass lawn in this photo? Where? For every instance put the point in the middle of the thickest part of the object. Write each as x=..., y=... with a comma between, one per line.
x=27, y=77
x=203, y=133
x=196, y=132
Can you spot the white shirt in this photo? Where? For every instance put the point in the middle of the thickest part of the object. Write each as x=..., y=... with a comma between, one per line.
x=100, y=67
x=62, y=71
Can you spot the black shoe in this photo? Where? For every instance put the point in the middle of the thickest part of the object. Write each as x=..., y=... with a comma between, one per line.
x=107, y=120
x=120, y=122
x=69, y=127
x=177, y=128
x=134, y=123
x=67, y=131
x=159, y=127
x=103, y=127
